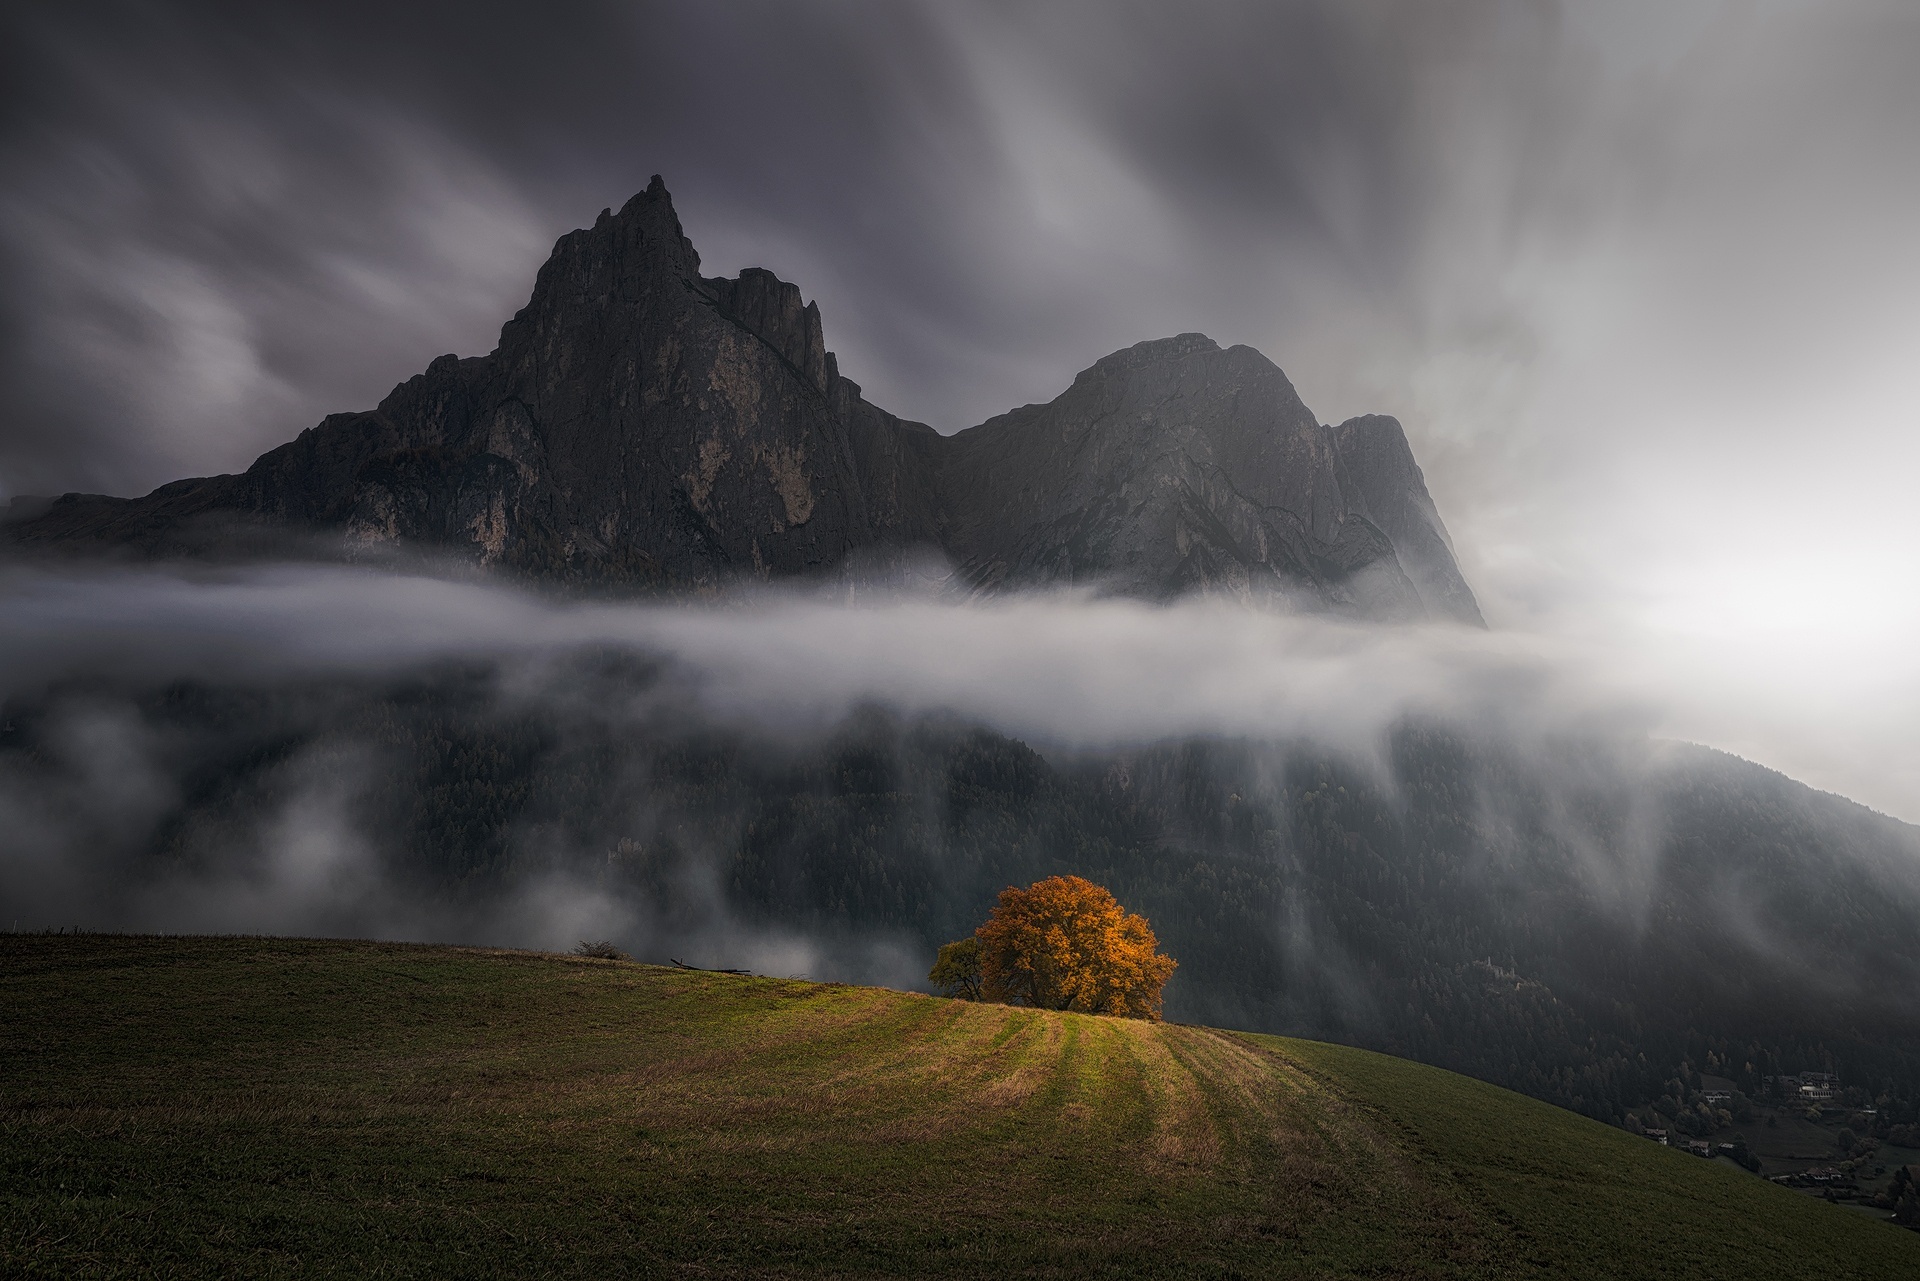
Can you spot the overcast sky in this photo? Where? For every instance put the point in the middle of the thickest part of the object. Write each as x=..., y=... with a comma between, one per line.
x=1641, y=279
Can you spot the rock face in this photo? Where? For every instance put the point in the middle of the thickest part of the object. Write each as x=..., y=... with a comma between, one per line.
x=1380, y=474
x=1169, y=468
x=641, y=424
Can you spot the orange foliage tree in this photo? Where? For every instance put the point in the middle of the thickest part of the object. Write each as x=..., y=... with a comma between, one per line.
x=1065, y=944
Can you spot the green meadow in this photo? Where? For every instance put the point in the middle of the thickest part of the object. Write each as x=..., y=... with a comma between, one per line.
x=266, y=1108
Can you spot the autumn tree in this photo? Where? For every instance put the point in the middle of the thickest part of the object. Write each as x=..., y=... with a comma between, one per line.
x=1065, y=944
x=956, y=971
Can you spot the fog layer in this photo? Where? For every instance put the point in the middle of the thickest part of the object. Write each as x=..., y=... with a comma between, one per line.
x=1064, y=669
x=1067, y=673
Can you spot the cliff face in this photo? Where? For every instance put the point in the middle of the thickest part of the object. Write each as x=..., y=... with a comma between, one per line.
x=1168, y=468
x=1379, y=474
x=639, y=423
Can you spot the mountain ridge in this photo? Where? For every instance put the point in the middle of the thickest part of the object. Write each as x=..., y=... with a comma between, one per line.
x=642, y=424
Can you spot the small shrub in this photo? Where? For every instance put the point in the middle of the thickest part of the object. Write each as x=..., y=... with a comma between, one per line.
x=603, y=950
x=956, y=971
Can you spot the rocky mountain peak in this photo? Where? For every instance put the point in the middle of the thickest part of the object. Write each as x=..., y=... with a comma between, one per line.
x=1154, y=351
x=643, y=425
x=1380, y=475
x=772, y=310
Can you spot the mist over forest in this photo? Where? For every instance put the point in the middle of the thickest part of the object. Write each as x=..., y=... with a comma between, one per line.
x=1432, y=840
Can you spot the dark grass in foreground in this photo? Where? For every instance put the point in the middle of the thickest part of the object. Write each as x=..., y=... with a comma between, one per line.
x=249, y=1107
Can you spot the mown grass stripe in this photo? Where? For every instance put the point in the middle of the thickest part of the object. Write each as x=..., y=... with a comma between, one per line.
x=285, y=1107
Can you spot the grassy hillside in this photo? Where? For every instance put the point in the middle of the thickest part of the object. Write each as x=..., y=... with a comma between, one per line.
x=278, y=1108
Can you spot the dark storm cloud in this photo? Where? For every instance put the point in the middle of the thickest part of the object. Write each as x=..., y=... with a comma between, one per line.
x=221, y=222
x=225, y=220
x=1639, y=277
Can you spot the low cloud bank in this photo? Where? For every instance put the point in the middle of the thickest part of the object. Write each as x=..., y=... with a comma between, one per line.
x=92, y=831
x=1066, y=668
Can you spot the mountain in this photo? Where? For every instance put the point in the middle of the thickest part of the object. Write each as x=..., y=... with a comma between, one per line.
x=266, y=1107
x=642, y=424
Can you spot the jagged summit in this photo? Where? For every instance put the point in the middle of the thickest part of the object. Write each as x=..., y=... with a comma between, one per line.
x=1154, y=350
x=640, y=423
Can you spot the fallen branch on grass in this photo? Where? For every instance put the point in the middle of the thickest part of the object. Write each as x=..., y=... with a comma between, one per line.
x=682, y=965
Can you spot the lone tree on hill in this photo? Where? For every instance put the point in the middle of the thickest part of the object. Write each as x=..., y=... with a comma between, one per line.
x=1062, y=944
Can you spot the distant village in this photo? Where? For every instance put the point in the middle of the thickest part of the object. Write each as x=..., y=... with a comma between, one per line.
x=1805, y=1131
